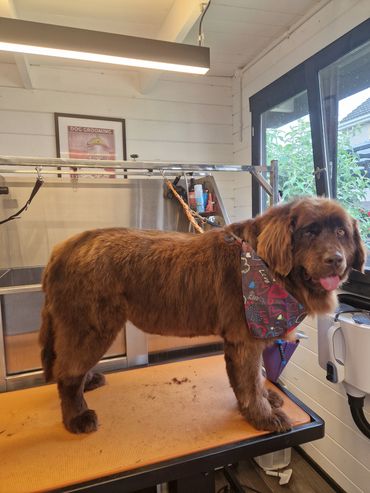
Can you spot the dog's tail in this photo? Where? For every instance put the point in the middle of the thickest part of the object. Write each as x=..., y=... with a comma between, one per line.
x=46, y=339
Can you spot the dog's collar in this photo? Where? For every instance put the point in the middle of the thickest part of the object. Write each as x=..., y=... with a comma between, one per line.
x=270, y=311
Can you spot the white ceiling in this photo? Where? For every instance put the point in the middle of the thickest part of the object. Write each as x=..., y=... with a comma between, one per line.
x=236, y=31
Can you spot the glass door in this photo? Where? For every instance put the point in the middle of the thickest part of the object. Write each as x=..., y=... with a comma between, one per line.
x=345, y=103
x=286, y=136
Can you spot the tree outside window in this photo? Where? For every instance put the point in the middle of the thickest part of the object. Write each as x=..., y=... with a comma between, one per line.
x=291, y=146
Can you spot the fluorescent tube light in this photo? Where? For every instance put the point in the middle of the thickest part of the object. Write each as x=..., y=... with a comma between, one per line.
x=36, y=38
x=96, y=57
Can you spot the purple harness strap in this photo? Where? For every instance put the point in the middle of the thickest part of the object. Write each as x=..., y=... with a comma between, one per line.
x=270, y=311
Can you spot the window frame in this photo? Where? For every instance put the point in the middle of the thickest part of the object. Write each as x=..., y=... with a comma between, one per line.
x=305, y=77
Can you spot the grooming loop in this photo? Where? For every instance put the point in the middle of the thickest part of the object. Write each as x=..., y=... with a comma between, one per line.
x=38, y=184
x=190, y=214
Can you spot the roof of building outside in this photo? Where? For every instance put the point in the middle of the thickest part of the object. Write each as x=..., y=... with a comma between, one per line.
x=361, y=110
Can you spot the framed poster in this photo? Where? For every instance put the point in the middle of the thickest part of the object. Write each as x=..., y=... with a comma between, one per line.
x=90, y=137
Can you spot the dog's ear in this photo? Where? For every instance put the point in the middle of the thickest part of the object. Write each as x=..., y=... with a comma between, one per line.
x=360, y=252
x=274, y=242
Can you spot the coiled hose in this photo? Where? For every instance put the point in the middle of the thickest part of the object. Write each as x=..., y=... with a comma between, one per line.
x=356, y=405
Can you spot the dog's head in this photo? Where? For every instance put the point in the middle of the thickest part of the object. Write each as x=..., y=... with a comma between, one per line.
x=311, y=244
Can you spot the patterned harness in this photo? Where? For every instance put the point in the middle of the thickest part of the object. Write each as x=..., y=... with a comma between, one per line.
x=270, y=311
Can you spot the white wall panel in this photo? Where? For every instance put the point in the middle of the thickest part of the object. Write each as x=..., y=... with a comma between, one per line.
x=329, y=465
x=125, y=84
x=181, y=132
x=26, y=123
x=32, y=145
x=184, y=118
x=42, y=124
x=9, y=75
x=172, y=151
x=242, y=155
x=123, y=107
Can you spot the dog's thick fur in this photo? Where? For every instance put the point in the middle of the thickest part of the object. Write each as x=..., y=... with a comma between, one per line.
x=186, y=285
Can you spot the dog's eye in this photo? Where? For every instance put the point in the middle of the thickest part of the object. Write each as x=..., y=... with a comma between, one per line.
x=310, y=233
x=340, y=232
x=311, y=230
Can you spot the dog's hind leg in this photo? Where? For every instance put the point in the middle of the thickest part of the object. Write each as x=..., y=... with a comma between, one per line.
x=243, y=364
x=73, y=378
x=72, y=370
x=77, y=418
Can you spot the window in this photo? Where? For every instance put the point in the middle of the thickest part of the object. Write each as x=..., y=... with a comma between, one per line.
x=286, y=134
x=315, y=120
x=345, y=103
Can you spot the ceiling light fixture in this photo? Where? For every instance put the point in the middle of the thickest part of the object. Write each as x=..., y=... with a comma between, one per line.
x=19, y=36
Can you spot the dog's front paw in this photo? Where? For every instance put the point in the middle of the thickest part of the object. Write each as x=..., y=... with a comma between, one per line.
x=276, y=421
x=85, y=422
x=274, y=398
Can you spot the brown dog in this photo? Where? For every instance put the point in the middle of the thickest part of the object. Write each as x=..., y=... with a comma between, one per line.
x=187, y=285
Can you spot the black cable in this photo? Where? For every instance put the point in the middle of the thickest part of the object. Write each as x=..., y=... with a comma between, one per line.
x=200, y=34
x=233, y=480
x=349, y=311
x=356, y=405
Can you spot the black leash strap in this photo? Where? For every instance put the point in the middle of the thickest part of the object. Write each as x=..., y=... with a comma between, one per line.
x=36, y=188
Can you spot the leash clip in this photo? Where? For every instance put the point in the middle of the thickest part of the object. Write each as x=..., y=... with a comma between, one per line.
x=39, y=175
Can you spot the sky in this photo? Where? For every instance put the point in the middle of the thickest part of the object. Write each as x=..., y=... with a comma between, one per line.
x=347, y=105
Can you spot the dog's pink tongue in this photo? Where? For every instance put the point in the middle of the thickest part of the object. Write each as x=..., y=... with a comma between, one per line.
x=330, y=283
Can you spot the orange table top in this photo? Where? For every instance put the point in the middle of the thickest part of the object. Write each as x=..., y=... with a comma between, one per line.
x=147, y=416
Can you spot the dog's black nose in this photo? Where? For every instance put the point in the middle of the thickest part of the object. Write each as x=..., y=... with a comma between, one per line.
x=335, y=259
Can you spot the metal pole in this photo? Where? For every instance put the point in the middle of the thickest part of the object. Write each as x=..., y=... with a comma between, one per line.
x=122, y=165
x=274, y=182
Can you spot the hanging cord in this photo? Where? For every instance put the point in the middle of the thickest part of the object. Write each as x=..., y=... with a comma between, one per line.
x=356, y=405
x=200, y=32
x=36, y=188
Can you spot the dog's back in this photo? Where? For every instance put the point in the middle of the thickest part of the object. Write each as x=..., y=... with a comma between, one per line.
x=165, y=283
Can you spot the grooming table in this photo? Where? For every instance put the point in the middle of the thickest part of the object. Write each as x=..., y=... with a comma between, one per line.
x=172, y=423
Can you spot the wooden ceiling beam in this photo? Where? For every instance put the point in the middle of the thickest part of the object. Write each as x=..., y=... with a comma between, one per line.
x=179, y=21
x=8, y=9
